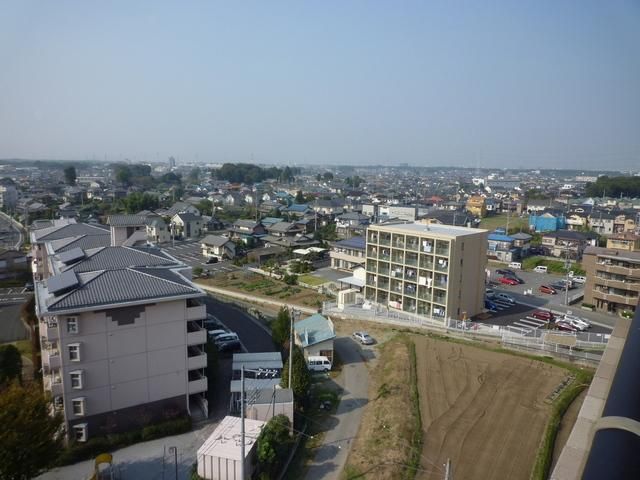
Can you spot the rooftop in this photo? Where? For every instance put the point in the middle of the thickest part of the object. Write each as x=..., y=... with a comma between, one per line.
x=314, y=329
x=437, y=230
x=357, y=243
x=224, y=441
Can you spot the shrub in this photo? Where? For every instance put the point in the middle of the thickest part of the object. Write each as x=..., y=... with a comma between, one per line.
x=171, y=427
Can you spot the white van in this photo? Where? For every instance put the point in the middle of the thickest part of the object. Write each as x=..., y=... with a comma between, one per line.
x=318, y=364
x=516, y=265
x=540, y=269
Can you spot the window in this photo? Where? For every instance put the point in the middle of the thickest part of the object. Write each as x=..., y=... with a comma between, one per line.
x=80, y=432
x=77, y=406
x=58, y=402
x=76, y=379
x=74, y=352
x=72, y=324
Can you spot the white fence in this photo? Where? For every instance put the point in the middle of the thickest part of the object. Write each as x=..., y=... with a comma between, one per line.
x=509, y=336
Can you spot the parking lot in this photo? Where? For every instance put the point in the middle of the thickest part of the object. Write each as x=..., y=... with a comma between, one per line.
x=190, y=252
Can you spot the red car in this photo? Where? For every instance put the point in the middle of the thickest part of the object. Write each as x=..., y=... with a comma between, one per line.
x=543, y=315
x=547, y=289
x=565, y=326
x=508, y=281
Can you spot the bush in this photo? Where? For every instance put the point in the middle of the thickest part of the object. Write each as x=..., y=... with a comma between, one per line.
x=290, y=279
x=197, y=271
x=171, y=427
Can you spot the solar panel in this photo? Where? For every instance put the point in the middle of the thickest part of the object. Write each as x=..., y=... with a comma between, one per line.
x=59, y=284
x=71, y=256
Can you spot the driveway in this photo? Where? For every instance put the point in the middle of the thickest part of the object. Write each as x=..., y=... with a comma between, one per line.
x=331, y=456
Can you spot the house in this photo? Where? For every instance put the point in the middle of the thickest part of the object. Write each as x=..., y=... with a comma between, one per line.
x=351, y=224
x=626, y=241
x=522, y=241
x=348, y=254
x=547, y=222
x=219, y=247
x=568, y=243
x=178, y=207
x=157, y=230
x=123, y=226
x=328, y=207
x=261, y=255
x=122, y=335
x=501, y=247
x=284, y=229
x=602, y=221
x=476, y=205
x=298, y=241
x=247, y=231
x=187, y=225
x=66, y=210
x=212, y=224
x=233, y=199
x=315, y=335
x=297, y=210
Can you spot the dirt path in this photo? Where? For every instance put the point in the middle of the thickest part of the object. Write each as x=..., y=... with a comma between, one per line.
x=485, y=411
x=566, y=425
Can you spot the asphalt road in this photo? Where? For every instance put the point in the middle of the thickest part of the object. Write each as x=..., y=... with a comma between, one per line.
x=330, y=458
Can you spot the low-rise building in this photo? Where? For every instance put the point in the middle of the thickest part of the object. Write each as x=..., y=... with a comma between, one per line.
x=348, y=254
x=187, y=225
x=315, y=335
x=628, y=241
x=215, y=246
x=567, y=243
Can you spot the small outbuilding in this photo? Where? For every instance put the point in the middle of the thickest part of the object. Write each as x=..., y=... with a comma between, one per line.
x=315, y=335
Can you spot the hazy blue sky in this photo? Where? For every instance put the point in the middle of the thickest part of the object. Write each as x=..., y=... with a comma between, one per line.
x=521, y=83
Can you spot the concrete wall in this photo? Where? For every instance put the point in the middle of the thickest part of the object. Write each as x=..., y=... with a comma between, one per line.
x=468, y=261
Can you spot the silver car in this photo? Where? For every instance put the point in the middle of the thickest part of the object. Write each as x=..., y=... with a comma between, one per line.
x=364, y=338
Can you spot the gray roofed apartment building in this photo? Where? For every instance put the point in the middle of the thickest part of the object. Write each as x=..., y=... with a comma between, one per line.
x=122, y=335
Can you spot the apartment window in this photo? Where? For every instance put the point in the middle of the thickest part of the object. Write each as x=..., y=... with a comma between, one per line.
x=72, y=324
x=74, y=352
x=78, y=406
x=80, y=432
x=76, y=379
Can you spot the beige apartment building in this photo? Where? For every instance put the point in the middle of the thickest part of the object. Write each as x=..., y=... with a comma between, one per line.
x=613, y=279
x=122, y=332
x=428, y=269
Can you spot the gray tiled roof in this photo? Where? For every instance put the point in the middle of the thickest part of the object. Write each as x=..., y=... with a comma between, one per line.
x=126, y=220
x=71, y=230
x=121, y=286
x=214, y=240
x=112, y=258
x=85, y=242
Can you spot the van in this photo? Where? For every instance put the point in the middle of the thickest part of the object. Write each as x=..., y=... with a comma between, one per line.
x=318, y=364
x=516, y=265
x=540, y=269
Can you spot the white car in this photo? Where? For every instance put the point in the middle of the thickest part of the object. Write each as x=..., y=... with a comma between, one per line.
x=577, y=324
x=364, y=338
x=489, y=292
x=505, y=298
x=577, y=321
x=579, y=279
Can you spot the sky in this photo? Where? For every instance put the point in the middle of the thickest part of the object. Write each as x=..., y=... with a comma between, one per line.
x=479, y=83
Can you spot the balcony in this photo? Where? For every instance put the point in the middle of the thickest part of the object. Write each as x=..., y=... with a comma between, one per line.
x=197, y=337
x=53, y=383
x=197, y=361
x=198, y=312
x=385, y=239
x=610, y=282
x=615, y=298
x=49, y=331
x=442, y=267
x=198, y=384
x=619, y=269
x=51, y=358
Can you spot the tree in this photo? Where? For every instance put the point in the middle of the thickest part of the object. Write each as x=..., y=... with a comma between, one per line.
x=30, y=439
x=281, y=328
x=70, y=175
x=327, y=176
x=300, y=197
x=273, y=446
x=301, y=378
x=10, y=364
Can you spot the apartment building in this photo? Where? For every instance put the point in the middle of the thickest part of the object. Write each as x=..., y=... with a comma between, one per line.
x=624, y=241
x=122, y=334
x=348, y=254
x=428, y=269
x=613, y=279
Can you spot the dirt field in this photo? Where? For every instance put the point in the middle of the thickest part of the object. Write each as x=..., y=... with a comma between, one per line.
x=485, y=411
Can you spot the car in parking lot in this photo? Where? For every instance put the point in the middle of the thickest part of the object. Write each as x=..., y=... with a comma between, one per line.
x=505, y=298
x=581, y=323
x=545, y=315
x=505, y=271
x=566, y=326
x=212, y=260
x=508, y=281
x=489, y=292
x=547, y=289
x=515, y=277
x=230, y=346
x=225, y=337
x=364, y=338
x=489, y=305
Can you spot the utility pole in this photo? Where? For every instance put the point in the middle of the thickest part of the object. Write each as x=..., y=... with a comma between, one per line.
x=567, y=264
x=242, y=453
x=292, y=314
x=447, y=470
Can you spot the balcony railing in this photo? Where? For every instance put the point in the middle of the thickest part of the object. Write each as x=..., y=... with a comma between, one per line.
x=51, y=358
x=198, y=385
x=385, y=240
x=613, y=297
x=198, y=312
x=197, y=361
x=197, y=338
x=53, y=384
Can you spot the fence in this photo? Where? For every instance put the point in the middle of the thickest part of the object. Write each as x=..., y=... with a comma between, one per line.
x=509, y=336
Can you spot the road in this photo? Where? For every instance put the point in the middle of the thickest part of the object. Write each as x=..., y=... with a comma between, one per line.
x=11, y=235
x=331, y=456
x=11, y=327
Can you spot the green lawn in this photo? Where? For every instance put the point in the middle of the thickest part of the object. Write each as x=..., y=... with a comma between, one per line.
x=311, y=280
x=515, y=223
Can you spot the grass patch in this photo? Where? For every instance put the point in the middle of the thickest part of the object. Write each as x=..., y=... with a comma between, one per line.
x=553, y=266
x=516, y=223
x=559, y=407
x=311, y=280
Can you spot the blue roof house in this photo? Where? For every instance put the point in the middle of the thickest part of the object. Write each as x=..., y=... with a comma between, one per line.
x=547, y=222
x=315, y=336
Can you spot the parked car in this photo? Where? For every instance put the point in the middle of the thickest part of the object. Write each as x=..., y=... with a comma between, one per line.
x=212, y=260
x=230, y=346
x=566, y=326
x=540, y=269
x=28, y=287
x=516, y=278
x=505, y=298
x=536, y=250
x=226, y=337
x=581, y=323
x=505, y=271
x=545, y=315
x=489, y=305
x=547, y=289
x=558, y=286
x=364, y=338
x=508, y=281
x=578, y=279
x=489, y=292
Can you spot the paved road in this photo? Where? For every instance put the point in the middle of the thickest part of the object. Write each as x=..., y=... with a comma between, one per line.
x=330, y=458
x=11, y=327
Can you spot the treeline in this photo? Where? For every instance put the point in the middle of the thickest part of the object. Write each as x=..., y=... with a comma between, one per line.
x=140, y=175
x=249, y=173
x=614, y=187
